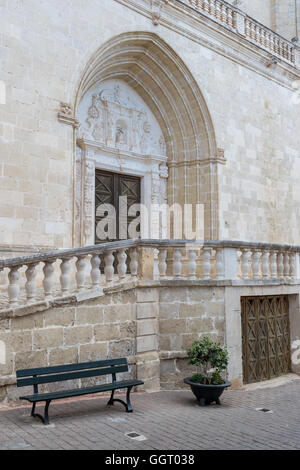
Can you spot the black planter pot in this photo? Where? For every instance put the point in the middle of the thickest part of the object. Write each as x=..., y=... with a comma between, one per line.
x=207, y=394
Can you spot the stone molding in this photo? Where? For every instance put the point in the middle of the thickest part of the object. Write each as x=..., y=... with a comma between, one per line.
x=205, y=31
x=66, y=116
x=156, y=7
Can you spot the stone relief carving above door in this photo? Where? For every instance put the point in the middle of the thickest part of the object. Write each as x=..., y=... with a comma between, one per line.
x=114, y=115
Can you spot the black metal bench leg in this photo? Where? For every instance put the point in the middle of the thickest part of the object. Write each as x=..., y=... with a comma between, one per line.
x=111, y=400
x=129, y=408
x=45, y=418
x=46, y=415
x=127, y=405
x=33, y=409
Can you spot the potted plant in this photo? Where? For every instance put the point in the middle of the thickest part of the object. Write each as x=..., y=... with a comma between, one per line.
x=211, y=359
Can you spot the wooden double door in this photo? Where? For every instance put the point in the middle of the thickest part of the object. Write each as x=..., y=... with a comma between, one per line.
x=265, y=337
x=109, y=187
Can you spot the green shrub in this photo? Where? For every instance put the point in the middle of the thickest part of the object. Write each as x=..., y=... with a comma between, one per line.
x=211, y=358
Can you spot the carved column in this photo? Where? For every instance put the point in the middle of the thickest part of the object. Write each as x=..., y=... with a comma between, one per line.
x=88, y=202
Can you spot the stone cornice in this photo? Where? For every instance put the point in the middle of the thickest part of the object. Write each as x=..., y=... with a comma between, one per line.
x=219, y=158
x=86, y=144
x=199, y=28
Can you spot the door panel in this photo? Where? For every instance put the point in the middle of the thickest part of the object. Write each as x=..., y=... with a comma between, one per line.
x=108, y=188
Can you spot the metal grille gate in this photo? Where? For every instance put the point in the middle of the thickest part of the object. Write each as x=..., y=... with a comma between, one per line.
x=265, y=337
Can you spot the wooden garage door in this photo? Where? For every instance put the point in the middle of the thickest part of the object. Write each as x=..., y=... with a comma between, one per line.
x=266, y=337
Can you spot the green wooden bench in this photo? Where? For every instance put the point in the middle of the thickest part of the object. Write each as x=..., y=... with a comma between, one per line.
x=46, y=375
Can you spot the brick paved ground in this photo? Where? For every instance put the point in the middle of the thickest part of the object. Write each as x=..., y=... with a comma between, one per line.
x=169, y=420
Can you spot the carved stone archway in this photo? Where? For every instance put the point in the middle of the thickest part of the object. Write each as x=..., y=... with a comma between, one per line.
x=118, y=132
x=147, y=65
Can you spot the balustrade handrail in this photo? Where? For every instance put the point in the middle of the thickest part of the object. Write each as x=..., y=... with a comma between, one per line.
x=236, y=20
x=91, y=267
x=130, y=243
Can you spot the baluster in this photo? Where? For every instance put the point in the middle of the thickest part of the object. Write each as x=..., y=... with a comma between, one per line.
x=281, y=47
x=162, y=262
x=134, y=263
x=267, y=40
x=256, y=255
x=211, y=7
x=14, y=286
x=192, y=263
x=263, y=37
x=218, y=12
x=95, y=271
x=292, y=54
x=48, y=278
x=286, y=264
x=206, y=262
x=245, y=263
x=284, y=50
x=177, y=265
x=109, y=265
x=265, y=263
x=230, y=18
x=206, y=6
x=219, y=263
x=247, y=28
x=65, y=278
x=30, y=285
x=81, y=272
x=280, y=266
x=273, y=264
x=122, y=267
x=272, y=44
x=223, y=13
x=292, y=265
x=252, y=31
x=257, y=33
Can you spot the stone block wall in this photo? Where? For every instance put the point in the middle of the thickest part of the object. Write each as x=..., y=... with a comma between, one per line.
x=186, y=314
x=97, y=329
x=151, y=326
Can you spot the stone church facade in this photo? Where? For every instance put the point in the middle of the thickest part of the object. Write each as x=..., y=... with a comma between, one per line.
x=165, y=102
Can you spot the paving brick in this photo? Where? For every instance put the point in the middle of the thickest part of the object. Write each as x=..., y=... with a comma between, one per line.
x=169, y=420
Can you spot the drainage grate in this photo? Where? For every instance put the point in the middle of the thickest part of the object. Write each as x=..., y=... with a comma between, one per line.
x=136, y=436
x=264, y=410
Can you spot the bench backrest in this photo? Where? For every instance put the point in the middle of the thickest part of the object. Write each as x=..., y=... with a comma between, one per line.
x=44, y=375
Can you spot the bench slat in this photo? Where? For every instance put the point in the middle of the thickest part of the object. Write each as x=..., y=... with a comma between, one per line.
x=70, y=367
x=81, y=391
x=70, y=376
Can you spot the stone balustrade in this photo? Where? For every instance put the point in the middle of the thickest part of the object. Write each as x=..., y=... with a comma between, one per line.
x=237, y=21
x=97, y=266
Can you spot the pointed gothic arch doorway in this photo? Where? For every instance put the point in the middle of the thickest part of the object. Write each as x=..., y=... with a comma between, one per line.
x=173, y=150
